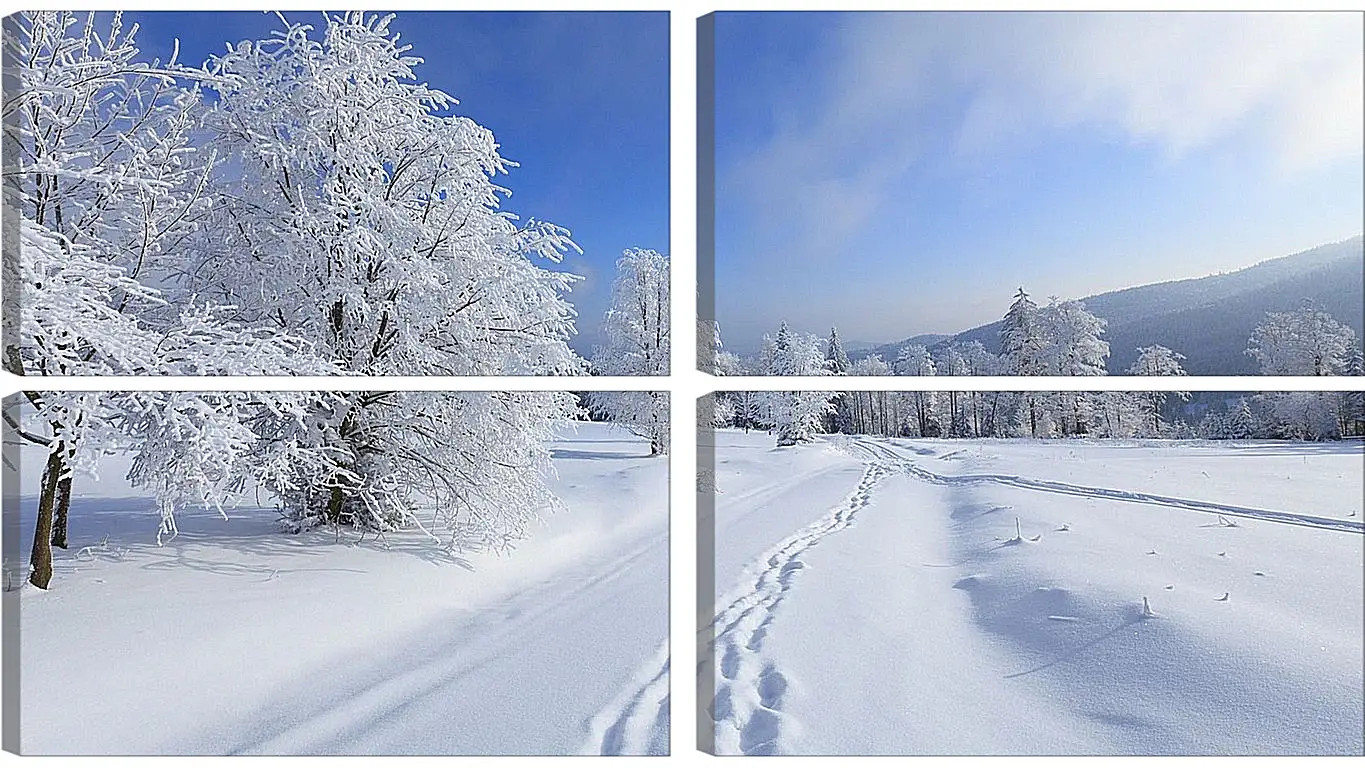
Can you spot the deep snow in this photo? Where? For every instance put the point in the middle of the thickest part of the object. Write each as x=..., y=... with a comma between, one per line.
x=875, y=598
x=236, y=638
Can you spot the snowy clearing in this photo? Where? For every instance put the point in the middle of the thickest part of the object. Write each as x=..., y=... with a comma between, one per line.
x=236, y=638
x=987, y=597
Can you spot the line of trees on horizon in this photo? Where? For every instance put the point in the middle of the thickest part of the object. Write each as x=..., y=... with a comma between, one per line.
x=1059, y=339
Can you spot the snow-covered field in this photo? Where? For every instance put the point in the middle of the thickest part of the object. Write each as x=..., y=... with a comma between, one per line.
x=236, y=638
x=876, y=597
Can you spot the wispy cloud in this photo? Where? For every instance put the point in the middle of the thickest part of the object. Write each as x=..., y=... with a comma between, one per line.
x=902, y=89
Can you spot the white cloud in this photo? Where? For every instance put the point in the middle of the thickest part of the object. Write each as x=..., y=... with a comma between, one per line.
x=902, y=85
x=1182, y=81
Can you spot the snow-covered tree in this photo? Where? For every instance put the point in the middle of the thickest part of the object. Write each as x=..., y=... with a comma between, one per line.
x=637, y=334
x=750, y=410
x=951, y=360
x=1073, y=347
x=872, y=365
x=796, y=354
x=1023, y=338
x=1237, y=420
x=739, y=409
x=1305, y=342
x=718, y=360
x=836, y=362
x=721, y=409
x=1241, y=422
x=319, y=212
x=1157, y=360
x=1061, y=339
x=1353, y=403
x=869, y=414
x=474, y=464
x=835, y=356
x=1072, y=344
x=791, y=353
x=1308, y=415
x=915, y=360
x=712, y=355
x=100, y=157
x=1023, y=345
x=201, y=448
x=1302, y=342
x=708, y=343
x=363, y=217
x=636, y=327
x=1120, y=414
x=978, y=361
x=644, y=414
x=110, y=191
x=797, y=416
x=728, y=364
x=1213, y=425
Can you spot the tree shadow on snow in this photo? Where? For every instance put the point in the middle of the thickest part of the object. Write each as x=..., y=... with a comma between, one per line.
x=557, y=454
x=117, y=529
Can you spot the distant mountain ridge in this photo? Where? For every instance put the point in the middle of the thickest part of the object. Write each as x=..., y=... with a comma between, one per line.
x=1207, y=319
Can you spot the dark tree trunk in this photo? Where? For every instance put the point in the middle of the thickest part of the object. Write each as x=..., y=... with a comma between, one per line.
x=59, y=510
x=334, y=504
x=63, y=501
x=40, y=561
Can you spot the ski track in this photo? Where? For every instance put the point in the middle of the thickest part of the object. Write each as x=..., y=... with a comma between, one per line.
x=319, y=728
x=636, y=723
x=887, y=453
x=750, y=694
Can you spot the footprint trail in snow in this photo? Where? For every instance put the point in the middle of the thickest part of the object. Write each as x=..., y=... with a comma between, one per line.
x=751, y=688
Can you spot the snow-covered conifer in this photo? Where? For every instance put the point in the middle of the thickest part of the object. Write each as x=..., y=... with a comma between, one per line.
x=836, y=362
x=835, y=355
x=1023, y=338
x=1023, y=345
x=1240, y=423
x=797, y=416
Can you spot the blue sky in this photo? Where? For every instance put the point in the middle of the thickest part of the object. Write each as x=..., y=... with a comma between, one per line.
x=579, y=100
x=904, y=173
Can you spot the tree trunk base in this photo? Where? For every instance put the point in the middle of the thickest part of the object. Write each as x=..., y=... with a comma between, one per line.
x=40, y=561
